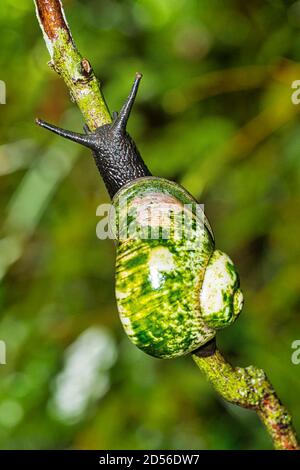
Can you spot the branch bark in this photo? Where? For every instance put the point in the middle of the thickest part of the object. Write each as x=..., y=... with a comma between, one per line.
x=250, y=388
x=247, y=387
x=75, y=70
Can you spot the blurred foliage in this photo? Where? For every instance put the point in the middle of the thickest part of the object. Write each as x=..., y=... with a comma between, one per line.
x=214, y=112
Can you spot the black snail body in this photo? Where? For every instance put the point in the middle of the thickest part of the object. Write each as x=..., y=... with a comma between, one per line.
x=173, y=292
x=116, y=155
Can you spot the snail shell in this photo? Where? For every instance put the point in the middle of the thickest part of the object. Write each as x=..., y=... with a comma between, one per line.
x=173, y=288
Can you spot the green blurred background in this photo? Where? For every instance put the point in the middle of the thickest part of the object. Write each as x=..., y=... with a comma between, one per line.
x=214, y=113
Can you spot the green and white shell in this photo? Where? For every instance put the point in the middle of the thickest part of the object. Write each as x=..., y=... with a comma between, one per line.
x=173, y=289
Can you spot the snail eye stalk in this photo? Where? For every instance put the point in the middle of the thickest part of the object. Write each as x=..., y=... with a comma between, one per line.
x=88, y=140
x=121, y=118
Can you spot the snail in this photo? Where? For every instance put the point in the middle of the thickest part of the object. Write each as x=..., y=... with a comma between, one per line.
x=173, y=291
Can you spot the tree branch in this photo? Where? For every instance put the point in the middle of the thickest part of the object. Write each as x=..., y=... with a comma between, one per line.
x=247, y=387
x=70, y=65
x=250, y=388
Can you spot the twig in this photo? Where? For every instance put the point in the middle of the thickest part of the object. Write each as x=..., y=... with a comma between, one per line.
x=250, y=388
x=247, y=387
x=70, y=65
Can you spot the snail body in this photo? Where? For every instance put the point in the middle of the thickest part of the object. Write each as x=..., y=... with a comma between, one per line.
x=174, y=290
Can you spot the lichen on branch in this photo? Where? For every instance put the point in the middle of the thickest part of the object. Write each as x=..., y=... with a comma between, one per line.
x=250, y=388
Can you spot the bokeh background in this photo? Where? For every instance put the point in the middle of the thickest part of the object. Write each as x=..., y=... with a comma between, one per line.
x=214, y=113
